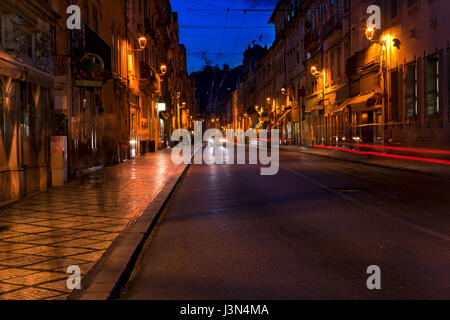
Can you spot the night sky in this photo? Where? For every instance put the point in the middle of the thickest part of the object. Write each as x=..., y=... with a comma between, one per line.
x=202, y=29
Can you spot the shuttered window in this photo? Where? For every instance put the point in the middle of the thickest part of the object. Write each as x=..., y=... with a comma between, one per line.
x=448, y=82
x=411, y=91
x=432, y=86
x=394, y=100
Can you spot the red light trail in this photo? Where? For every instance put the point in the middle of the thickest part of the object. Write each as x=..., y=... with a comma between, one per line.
x=402, y=149
x=394, y=156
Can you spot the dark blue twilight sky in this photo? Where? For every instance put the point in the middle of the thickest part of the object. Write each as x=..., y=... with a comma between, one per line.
x=203, y=32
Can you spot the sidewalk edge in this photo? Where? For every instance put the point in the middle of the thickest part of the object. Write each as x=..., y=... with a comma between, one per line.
x=118, y=266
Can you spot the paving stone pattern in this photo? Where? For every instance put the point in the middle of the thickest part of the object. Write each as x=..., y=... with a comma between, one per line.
x=73, y=225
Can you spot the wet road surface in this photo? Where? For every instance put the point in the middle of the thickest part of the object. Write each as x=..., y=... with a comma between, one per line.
x=309, y=232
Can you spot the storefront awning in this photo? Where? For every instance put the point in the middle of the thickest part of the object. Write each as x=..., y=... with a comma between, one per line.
x=284, y=115
x=21, y=71
x=311, y=104
x=356, y=103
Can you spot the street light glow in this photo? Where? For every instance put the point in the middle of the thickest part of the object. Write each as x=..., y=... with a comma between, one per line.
x=370, y=32
x=142, y=42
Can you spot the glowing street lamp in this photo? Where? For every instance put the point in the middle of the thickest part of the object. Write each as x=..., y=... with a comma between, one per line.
x=314, y=71
x=163, y=69
x=370, y=32
x=142, y=42
x=318, y=75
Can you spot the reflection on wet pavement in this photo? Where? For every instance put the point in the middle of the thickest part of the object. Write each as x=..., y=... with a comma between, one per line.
x=73, y=225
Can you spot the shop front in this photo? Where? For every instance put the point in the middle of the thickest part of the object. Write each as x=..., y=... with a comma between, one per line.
x=91, y=70
x=362, y=115
x=26, y=97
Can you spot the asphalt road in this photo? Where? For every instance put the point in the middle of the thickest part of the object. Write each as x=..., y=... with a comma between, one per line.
x=309, y=232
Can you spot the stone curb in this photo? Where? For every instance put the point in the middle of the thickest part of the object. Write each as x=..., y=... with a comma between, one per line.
x=118, y=266
x=432, y=174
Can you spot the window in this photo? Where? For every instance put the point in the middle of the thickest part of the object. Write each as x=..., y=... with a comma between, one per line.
x=339, y=62
x=346, y=5
x=432, y=86
x=411, y=91
x=394, y=9
x=394, y=101
x=333, y=67
x=448, y=82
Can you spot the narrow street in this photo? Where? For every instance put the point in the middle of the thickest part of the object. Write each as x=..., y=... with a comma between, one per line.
x=117, y=123
x=309, y=232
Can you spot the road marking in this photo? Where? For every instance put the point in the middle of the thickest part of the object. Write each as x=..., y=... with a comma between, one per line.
x=372, y=208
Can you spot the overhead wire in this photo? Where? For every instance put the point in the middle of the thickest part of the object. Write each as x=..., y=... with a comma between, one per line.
x=229, y=61
x=221, y=47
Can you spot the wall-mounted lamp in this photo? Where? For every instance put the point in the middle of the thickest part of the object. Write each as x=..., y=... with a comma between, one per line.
x=370, y=32
x=142, y=42
x=163, y=69
x=315, y=72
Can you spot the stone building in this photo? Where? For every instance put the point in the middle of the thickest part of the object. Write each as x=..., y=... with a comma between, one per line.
x=329, y=80
x=26, y=97
x=125, y=108
x=73, y=101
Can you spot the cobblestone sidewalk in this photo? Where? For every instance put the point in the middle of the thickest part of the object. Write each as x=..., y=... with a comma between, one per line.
x=73, y=225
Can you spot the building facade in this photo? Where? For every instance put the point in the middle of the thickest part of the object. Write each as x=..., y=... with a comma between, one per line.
x=73, y=101
x=124, y=107
x=327, y=80
x=26, y=97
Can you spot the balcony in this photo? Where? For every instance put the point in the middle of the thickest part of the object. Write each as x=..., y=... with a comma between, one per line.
x=332, y=25
x=148, y=82
x=311, y=37
x=364, y=61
